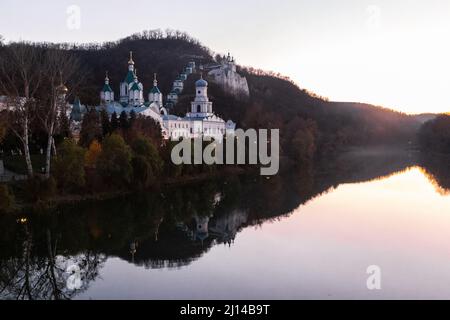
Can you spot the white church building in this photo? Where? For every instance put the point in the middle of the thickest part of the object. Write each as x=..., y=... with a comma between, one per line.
x=200, y=122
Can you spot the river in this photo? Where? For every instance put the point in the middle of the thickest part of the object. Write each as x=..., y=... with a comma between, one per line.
x=313, y=234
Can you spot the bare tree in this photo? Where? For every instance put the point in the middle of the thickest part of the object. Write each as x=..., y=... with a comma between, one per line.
x=21, y=75
x=61, y=67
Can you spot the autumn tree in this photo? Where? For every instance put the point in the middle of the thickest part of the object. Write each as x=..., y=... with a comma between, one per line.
x=94, y=151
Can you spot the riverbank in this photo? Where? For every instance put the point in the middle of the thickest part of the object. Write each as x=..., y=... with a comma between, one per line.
x=22, y=205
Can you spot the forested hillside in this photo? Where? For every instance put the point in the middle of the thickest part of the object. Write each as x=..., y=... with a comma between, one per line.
x=309, y=125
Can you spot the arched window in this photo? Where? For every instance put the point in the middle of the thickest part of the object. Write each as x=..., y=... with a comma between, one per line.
x=199, y=108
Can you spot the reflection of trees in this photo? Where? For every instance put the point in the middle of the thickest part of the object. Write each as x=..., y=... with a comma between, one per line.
x=437, y=169
x=27, y=276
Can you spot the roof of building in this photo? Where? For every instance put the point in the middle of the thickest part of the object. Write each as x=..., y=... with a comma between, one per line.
x=107, y=88
x=155, y=89
x=77, y=110
x=170, y=117
x=195, y=118
x=130, y=77
x=135, y=87
x=201, y=83
x=118, y=108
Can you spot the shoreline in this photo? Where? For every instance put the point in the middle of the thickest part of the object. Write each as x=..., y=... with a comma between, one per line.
x=72, y=199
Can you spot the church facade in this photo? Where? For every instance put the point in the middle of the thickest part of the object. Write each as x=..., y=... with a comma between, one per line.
x=199, y=122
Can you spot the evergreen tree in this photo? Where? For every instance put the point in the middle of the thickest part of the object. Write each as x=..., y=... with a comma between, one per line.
x=90, y=128
x=123, y=121
x=132, y=119
x=114, y=122
x=106, y=123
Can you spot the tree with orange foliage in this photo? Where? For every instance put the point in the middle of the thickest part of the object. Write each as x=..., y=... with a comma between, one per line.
x=90, y=160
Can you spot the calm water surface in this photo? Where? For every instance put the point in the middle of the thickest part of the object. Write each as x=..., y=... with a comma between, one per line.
x=307, y=236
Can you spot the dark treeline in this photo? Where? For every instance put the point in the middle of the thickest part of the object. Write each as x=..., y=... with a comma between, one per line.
x=434, y=135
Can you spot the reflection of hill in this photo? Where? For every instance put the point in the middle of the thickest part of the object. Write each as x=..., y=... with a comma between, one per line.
x=437, y=169
x=172, y=250
x=359, y=165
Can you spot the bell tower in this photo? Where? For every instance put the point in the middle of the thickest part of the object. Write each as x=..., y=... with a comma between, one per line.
x=201, y=106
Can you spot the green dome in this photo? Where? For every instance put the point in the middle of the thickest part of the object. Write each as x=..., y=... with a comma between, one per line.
x=155, y=90
x=130, y=77
x=135, y=87
x=106, y=88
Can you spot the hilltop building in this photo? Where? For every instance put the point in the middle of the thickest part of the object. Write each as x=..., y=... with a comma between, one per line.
x=225, y=75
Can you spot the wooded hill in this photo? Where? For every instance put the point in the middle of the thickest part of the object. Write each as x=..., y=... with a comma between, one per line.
x=307, y=123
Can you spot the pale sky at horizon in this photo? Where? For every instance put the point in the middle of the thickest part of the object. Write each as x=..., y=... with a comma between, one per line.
x=391, y=53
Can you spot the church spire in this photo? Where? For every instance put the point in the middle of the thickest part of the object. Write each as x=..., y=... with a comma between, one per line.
x=155, y=81
x=131, y=58
x=131, y=62
x=106, y=78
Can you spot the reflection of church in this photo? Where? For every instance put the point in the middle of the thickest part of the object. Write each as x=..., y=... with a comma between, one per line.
x=222, y=229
